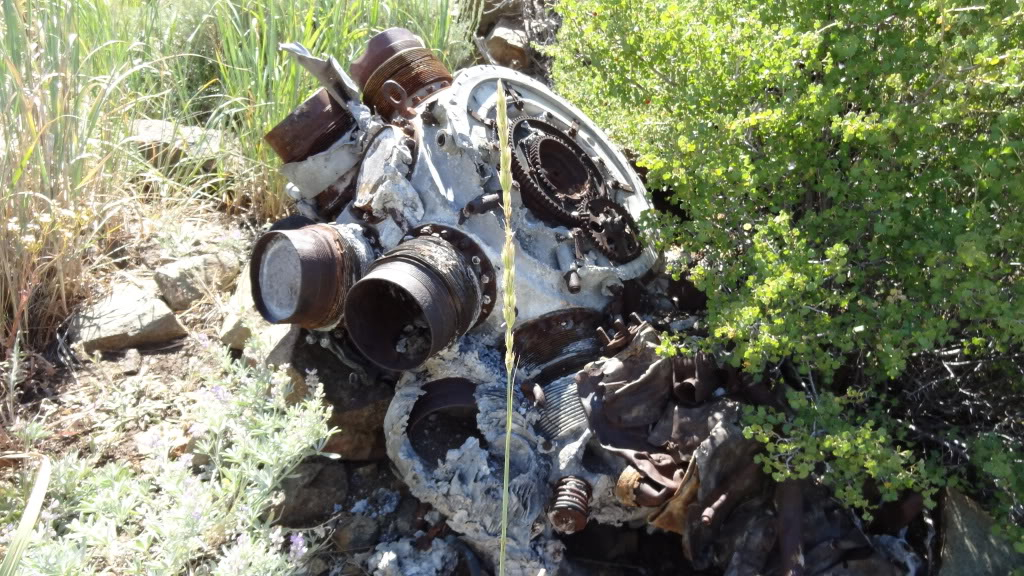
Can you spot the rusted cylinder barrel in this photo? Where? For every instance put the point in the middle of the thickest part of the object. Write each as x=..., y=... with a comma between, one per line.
x=311, y=128
x=413, y=302
x=397, y=71
x=303, y=276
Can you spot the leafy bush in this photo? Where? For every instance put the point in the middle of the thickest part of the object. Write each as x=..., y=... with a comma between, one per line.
x=205, y=511
x=827, y=436
x=845, y=181
x=851, y=172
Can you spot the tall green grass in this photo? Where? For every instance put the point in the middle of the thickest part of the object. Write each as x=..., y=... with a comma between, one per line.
x=75, y=75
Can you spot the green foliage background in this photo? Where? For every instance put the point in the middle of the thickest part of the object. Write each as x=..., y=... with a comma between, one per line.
x=846, y=181
x=852, y=171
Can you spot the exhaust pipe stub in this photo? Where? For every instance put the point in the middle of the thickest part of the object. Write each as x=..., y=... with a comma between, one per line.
x=303, y=276
x=420, y=297
x=311, y=128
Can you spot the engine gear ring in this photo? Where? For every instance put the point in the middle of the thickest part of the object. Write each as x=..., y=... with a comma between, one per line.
x=560, y=169
x=555, y=175
x=612, y=230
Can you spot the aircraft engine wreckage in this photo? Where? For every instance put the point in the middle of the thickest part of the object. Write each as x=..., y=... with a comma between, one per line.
x=395, y=262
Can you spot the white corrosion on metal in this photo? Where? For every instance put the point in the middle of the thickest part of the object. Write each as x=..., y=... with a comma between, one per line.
x=280, y=277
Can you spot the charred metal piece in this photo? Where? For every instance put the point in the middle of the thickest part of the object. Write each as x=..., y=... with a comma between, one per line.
x=634, y=489
x=303, y=276
x=311, y=128
x=555, y=175
x=557, y=344
x=397, y=72
x=624, y=334
x=479, y=264
x=571, y=509
x=330, y=202
x=448, y=404
x=413, y=302
x=572, y=282
x=550, y=349
x=533, y=392
x=613, y=230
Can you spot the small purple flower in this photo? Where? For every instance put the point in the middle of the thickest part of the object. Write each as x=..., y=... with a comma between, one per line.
x=204, y=340
x=298, y=546
x=220, y=393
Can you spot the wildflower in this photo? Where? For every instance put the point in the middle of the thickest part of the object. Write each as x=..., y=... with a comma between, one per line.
x=198, y=429
x=220, y=393
x=276, y=538
x=298, y=546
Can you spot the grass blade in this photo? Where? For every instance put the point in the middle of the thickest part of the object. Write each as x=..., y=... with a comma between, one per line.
x=19, y=544
x=508, y=260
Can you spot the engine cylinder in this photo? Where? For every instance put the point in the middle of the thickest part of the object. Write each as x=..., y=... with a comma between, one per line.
x=397, y=71
x=303, y=276
x=413, y=302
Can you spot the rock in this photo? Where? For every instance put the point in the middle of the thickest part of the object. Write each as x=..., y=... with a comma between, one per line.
x=240, y=315
x=131, y=363
x=185, y=281
x=187, y=149
x=968, y=545
x=406, y=520
x=360, y=427
x=507, y=44
x=355, y=533
x=274, y=345
x=128, y=317
x=312, y=493
x=495, y=10
x=358, y=406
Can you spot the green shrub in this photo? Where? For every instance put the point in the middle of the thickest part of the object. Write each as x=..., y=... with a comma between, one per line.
x=845, y=181
x=830, y=436
x=851, y=172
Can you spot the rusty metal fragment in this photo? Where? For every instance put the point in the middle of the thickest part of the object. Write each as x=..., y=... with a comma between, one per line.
x=397, y=72
x=571, y=508
x=311, y=128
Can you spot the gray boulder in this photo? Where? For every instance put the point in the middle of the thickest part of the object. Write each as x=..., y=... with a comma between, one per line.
x=129, y=317
x=185, y=281
x=240, y=315
x=312, y=492
x=174, y=147
x=507, y=44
